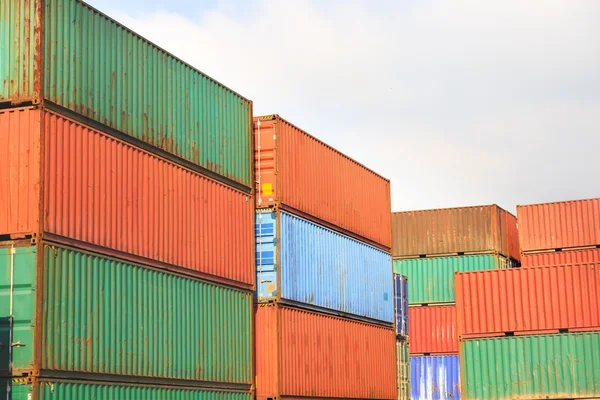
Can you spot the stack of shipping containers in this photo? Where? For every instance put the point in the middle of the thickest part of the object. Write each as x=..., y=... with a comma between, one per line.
x=126, y=215
x=534, y=332
x=402, y=343
x=324, y=313
x=428, y=247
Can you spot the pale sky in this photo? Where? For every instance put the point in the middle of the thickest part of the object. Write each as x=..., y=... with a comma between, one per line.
x=460, y=102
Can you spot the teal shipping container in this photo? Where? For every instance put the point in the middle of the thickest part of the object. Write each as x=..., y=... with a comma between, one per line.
x=66, y=55
x=431, y=280
x=77, y=313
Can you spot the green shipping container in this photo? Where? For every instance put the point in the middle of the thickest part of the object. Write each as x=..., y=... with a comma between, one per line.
x=30, y=389
x=555, y=366
x=403, y=369
x=65, y=53
x=84, y=313
x=431, y=280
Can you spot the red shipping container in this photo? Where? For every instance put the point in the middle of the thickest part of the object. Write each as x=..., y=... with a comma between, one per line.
x=432, y=329
x=298, y=172
x=452, y=231
x=559, y=225
x=569, y=257
x=301, y=353
x=70, y=183
x=528, y=300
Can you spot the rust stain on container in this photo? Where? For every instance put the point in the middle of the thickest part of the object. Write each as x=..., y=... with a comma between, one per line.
x=528, y=300
x=432, y=329
x=302, y=354
x=451, y=231
x=297, y=171
x=570, y=257
x=560, y=225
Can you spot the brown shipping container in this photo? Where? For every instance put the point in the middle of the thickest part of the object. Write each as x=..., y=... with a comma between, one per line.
x=570, y=257
x=528, y=300
x=432, y=329
x=451, y=231
x=95, y=190
x=298, y=172
x=559, y=225
x=305, y=354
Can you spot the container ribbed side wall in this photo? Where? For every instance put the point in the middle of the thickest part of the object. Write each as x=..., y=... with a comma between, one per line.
x=103, y=71
x=528, y=299
x=401, y=305
x=570, y=257
x=532, y=367
x=431, y=280
x=435, y=377
x=433, y=329
x=20, y=169
x=403, y=370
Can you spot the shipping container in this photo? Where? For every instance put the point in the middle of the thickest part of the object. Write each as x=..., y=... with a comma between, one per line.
x=301, y=353
x=528, y=300
x=433, y=330
x=401, y=305
x=298, y=172
x=61, y=389
x=435, y=377
x=431, y=280
x=561, y=366
x=69, y=56
x=570, y=257
x=301, y=262
x=83, y=313
x=455, y=231
x=87, y=187
x=403, y=369
x=559, y=225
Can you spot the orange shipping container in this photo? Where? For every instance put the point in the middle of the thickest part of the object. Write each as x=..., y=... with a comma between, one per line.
x=559, y=225
x=451, y=231
x=70, y=183
x=304, y=354
x=569, y=257
x=528, y=300
x=300, y=173
x=432, y=329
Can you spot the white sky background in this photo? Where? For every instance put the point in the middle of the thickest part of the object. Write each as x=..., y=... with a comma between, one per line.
x=458, y=102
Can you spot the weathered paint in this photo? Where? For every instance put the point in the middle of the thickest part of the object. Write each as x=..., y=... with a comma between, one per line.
x=433, y=329
x=297, y=171
x=81, y=60
x=49, y=389
x=302, y=354
x=530, y=300
x=569, y=257
x=403, y=369
x=431, y=280
x=453, y=231
x=302, y=262
x=560, y=366
x=435, y=377
x=110, y=194
x=103, y=316
x=559, y=225
x=401, y=305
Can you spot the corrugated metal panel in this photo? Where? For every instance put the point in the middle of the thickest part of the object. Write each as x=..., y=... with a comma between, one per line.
x=19, y=163
x=435, y=377
x=481, y=229
x=305, y=174
x=317, y=355
x=105, y=316
x=559, y=225
x=569, y=257
x=433, y=329
x=303, y=262
x=564, y=366
x=401, y=304
x=431, y=280
x=75, y=390
x=108, y=193
x=97, y=68
x=403, y=369
x=528, y=299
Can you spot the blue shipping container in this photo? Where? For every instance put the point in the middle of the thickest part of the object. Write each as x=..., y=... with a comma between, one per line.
x=401, y=305
x=301, y=262
x=434, y=378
